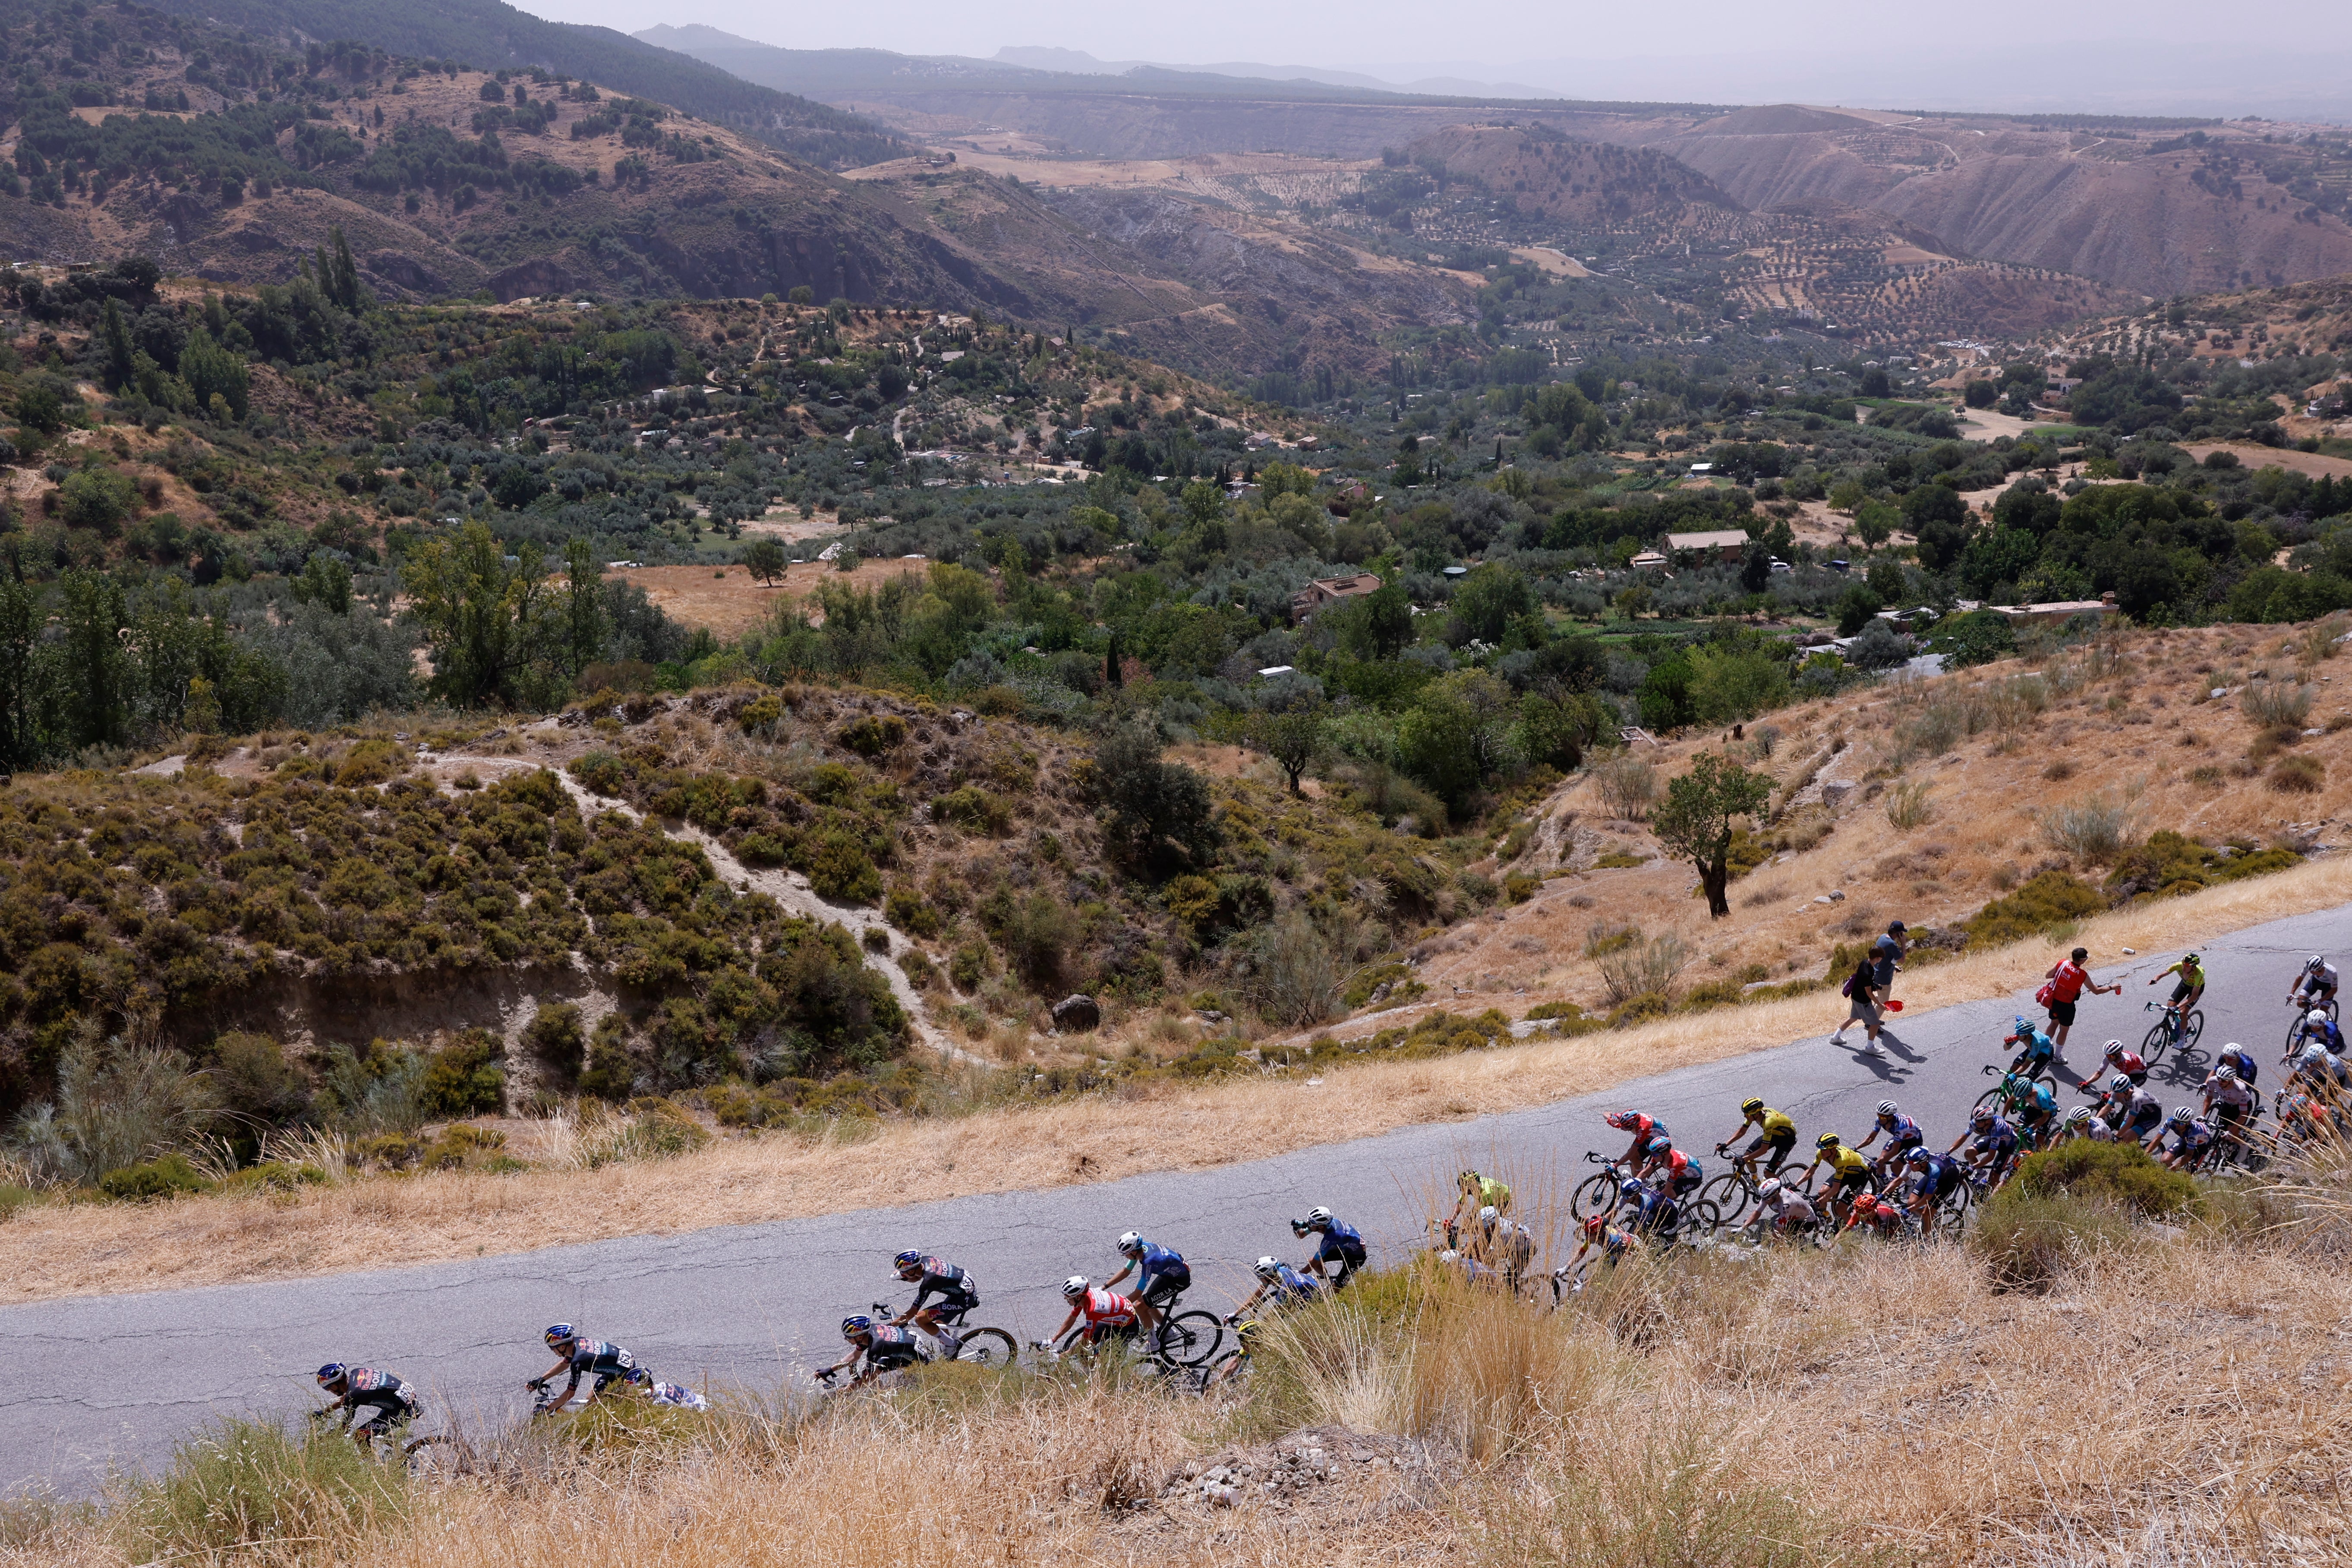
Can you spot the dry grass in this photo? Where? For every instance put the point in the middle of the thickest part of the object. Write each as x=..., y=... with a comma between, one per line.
x=47, y=1251
x=2174, y=1403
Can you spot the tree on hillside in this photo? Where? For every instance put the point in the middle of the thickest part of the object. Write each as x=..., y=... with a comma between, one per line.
x=1290, y=732
x=1157, y=812
x=1694, y=823
x=765, y=560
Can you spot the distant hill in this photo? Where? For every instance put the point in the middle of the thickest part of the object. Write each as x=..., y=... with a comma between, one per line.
x=495, y=35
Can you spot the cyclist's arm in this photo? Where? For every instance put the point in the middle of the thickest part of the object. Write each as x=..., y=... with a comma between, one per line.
x=1123, y=1273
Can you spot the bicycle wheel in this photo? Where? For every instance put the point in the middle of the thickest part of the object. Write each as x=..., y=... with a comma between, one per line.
x=2158, y=1041
x=2194, y=1030
x=1593, y=1195
x=1994, y=1098
x=1188, y=1339
x=2294, y=1032
x=1728, y=1194
x=988, y=1347
x=1702, y=1218
x=1231, y=1366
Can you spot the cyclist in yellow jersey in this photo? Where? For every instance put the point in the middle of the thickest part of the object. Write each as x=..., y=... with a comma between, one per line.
x=1849, y=1173
x=1774, y=1130
x=2191, y=970
x=1477, y=1192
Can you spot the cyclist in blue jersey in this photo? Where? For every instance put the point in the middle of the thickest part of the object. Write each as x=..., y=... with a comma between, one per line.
x=2035, y=1049
x=2037, y=1119
x=2191, y=1136
x=1161, y=1276
x=1280, y=1287
x=1651, y=1210
x=1992, y=1146
x=389, y=1402
x=1902, y=1135
x=1339, y=1252
x=1934, y=1177
x=583, y=1358
x=883, y=1347
x=2320, y=1027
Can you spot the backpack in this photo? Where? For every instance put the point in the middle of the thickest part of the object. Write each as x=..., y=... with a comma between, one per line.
x=1846, y=989
x=2046, y=994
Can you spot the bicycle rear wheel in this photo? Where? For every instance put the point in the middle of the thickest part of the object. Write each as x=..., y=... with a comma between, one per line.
x=988, y=1347
x=1593, y=1195
x=2294, y=1032
x=1728, y=1194
x=1188, y=1339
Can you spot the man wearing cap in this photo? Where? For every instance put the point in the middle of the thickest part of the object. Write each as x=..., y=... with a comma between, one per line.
x=1886, y=955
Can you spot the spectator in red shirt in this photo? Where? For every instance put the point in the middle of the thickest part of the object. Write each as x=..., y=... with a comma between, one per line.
x=2068, y=979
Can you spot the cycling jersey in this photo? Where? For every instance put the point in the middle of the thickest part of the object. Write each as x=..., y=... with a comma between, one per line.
x=957, y=1291
x=1493, y=1194
x=2097, y=1131
x=673, y=1394
x=1999, y=1140
x=1902, y=1132
x=1341, y=1244
x=2229, y=1091
x=594, y=1358
x=2045, y=1101
x=1290, y=1287
x=1678, y=1168
x=1938, y=1176
x=1790, y=1208
x=1159, y=1260
x=2192, y=975
x=2141, y=1110
x=1655, y=1210
x=1773, y=1123
x=2189, y=1139
x=383, y=1393
x=2323, y=978
x=2128, y=1062
x=2243, y=1060
x=1848, y=1163
x=2031, y=1041
x=888, y=1347
x=1101, y=1306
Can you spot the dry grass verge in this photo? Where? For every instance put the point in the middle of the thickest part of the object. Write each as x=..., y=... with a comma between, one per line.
x=47, y=1251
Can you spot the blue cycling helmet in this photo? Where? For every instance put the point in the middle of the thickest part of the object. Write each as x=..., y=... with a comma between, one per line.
x=1660, y=1145
x=559, y=1334
x=909, y=1258
x=334, y=1372
x=1917, y=1156
x=637, y=1374
x=855, y=1323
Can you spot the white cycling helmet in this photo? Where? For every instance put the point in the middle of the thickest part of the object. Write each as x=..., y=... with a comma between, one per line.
x=2078, y=1115
x=2314, y=964
x=2316, y=1016
x=1319, y=1217
x=1771, y=1189
x=1488, y=1216
x=2115, y=1047
x=1076, y=1285
x=1132, y=1242
x=1887, y=1108
x=1266, y=1268
x=2228, y=1074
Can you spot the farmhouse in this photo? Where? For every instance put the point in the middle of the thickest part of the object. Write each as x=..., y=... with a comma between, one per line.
x=1323, y=590
x=1724, y=544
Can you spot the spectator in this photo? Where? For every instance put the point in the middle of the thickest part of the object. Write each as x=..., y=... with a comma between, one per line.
x=2067, y=979
x=1872, y=982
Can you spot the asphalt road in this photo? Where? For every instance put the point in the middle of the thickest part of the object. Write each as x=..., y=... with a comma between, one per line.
x=106, y=1381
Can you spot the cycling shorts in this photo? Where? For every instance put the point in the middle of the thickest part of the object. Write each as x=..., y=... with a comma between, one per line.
x=1780, y=1143
x=1162, y=1289
x=2061, y=1014
x=2184, y=990
x=891, y=1357
x=1849, y=1182
x=1690, y=1180
x=380, y=1412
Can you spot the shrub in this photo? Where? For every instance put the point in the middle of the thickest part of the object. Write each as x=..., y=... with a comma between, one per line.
x=973, y=808
x=370, y=762
x=968, y=965
x=166, y=1176
x=2052, y=898
x=908, y=911
x=2028, y=1242
x=874, y=734
x=1293, y=977
x=1036, y=933
x=2269, y=702
x=1910, y=805
x=2171, y=862
x=1643, y=969
x=2094, y=829
x=2297, y=775
x=841, y=871
x=464, y=1080
x=554, y=1038
x=251, y=1485
x=2124, y=1175
x=761, y=712
x=1627, y=786
x=254, y=1079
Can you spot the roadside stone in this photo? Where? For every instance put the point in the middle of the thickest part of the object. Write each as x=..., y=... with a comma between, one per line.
x=1076, y=1014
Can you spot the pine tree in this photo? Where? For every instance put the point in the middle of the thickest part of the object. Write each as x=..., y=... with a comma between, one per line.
x=121, y=356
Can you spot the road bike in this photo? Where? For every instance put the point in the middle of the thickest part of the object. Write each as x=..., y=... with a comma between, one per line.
x=1597, y=1194
x=2295, y=1024
x=1735, y=1190
x=2170, y=1030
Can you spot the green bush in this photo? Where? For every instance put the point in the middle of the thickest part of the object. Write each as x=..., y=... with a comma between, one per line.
x=2171, y=863
x=839, y=870
x=874, y=734
x=2028, y=1242
x=166, y=1176
x=275, y=1176
x=906, y=910
x=973, y=808
x=464, y=1080
x=2124, y=1175
x=249, y=1487
x=14, y=1197
x=2051, y=899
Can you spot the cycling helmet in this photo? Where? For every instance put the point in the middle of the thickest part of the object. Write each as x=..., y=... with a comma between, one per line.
x=1826, y=1141
x=1771, y=1190
x=1076, y=1286
x=1488, y=1216
x=1917, y=1156
x=2024, y=1026
x=334, y=1372
x=911, y=1259
x=2115, y=1047
x=2316, y=1016
x=2226, y=1073
x=2189, y=957
x=1980, y=1116
x=2120, y=1083
x=1887, y=1108
x=2314, y=964
x=1622, y=1120
x=1594, y=1225
x=1132, y=1242
x=2181, y=1116
x=2078, y=1115
x=559, y=1334
x=1751, y=1104
x=1659, y=1146
x=1315, y=1217
x=857, y=1323
x=1449, y=1256
x=1266, y=1268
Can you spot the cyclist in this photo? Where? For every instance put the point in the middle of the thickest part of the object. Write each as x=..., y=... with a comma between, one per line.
x=2191, y=1136
x=1774, y=1130
x=1655, y=1210
x=389, y=1402
x=1676, y=1171
x=1849, y=1173
x=2083, y=1121
x=1786, y=1209
x=2034, y=1047
x=1476, y=1192
x=1341, y=1246
x=2120, y=1057
x=2302, y=1118
x=1614, y=1242
x=1902, y=1135
x=1993, y=1149
x=2315, y=985
x=2227, y=1103
x=2191, y=970
x=1644, y=1129
x=884, y=1347
x=1880, y=1214
x=1505, y=1245
x=2068, y=980
x=2037, y=1119
x=1933, y=1178
x=1161, y=1276
x=589, y=1358
x=957, y=1291
x=2130, y=1109
x=2319, y=1025
x=1280, y=1286
x=2318, y=1070
x=671, y=1394
x=2240, y=1060
x=1104, y=1312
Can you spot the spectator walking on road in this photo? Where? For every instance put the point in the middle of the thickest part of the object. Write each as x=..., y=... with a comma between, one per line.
x=1870, y=985
x=2068, y=979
